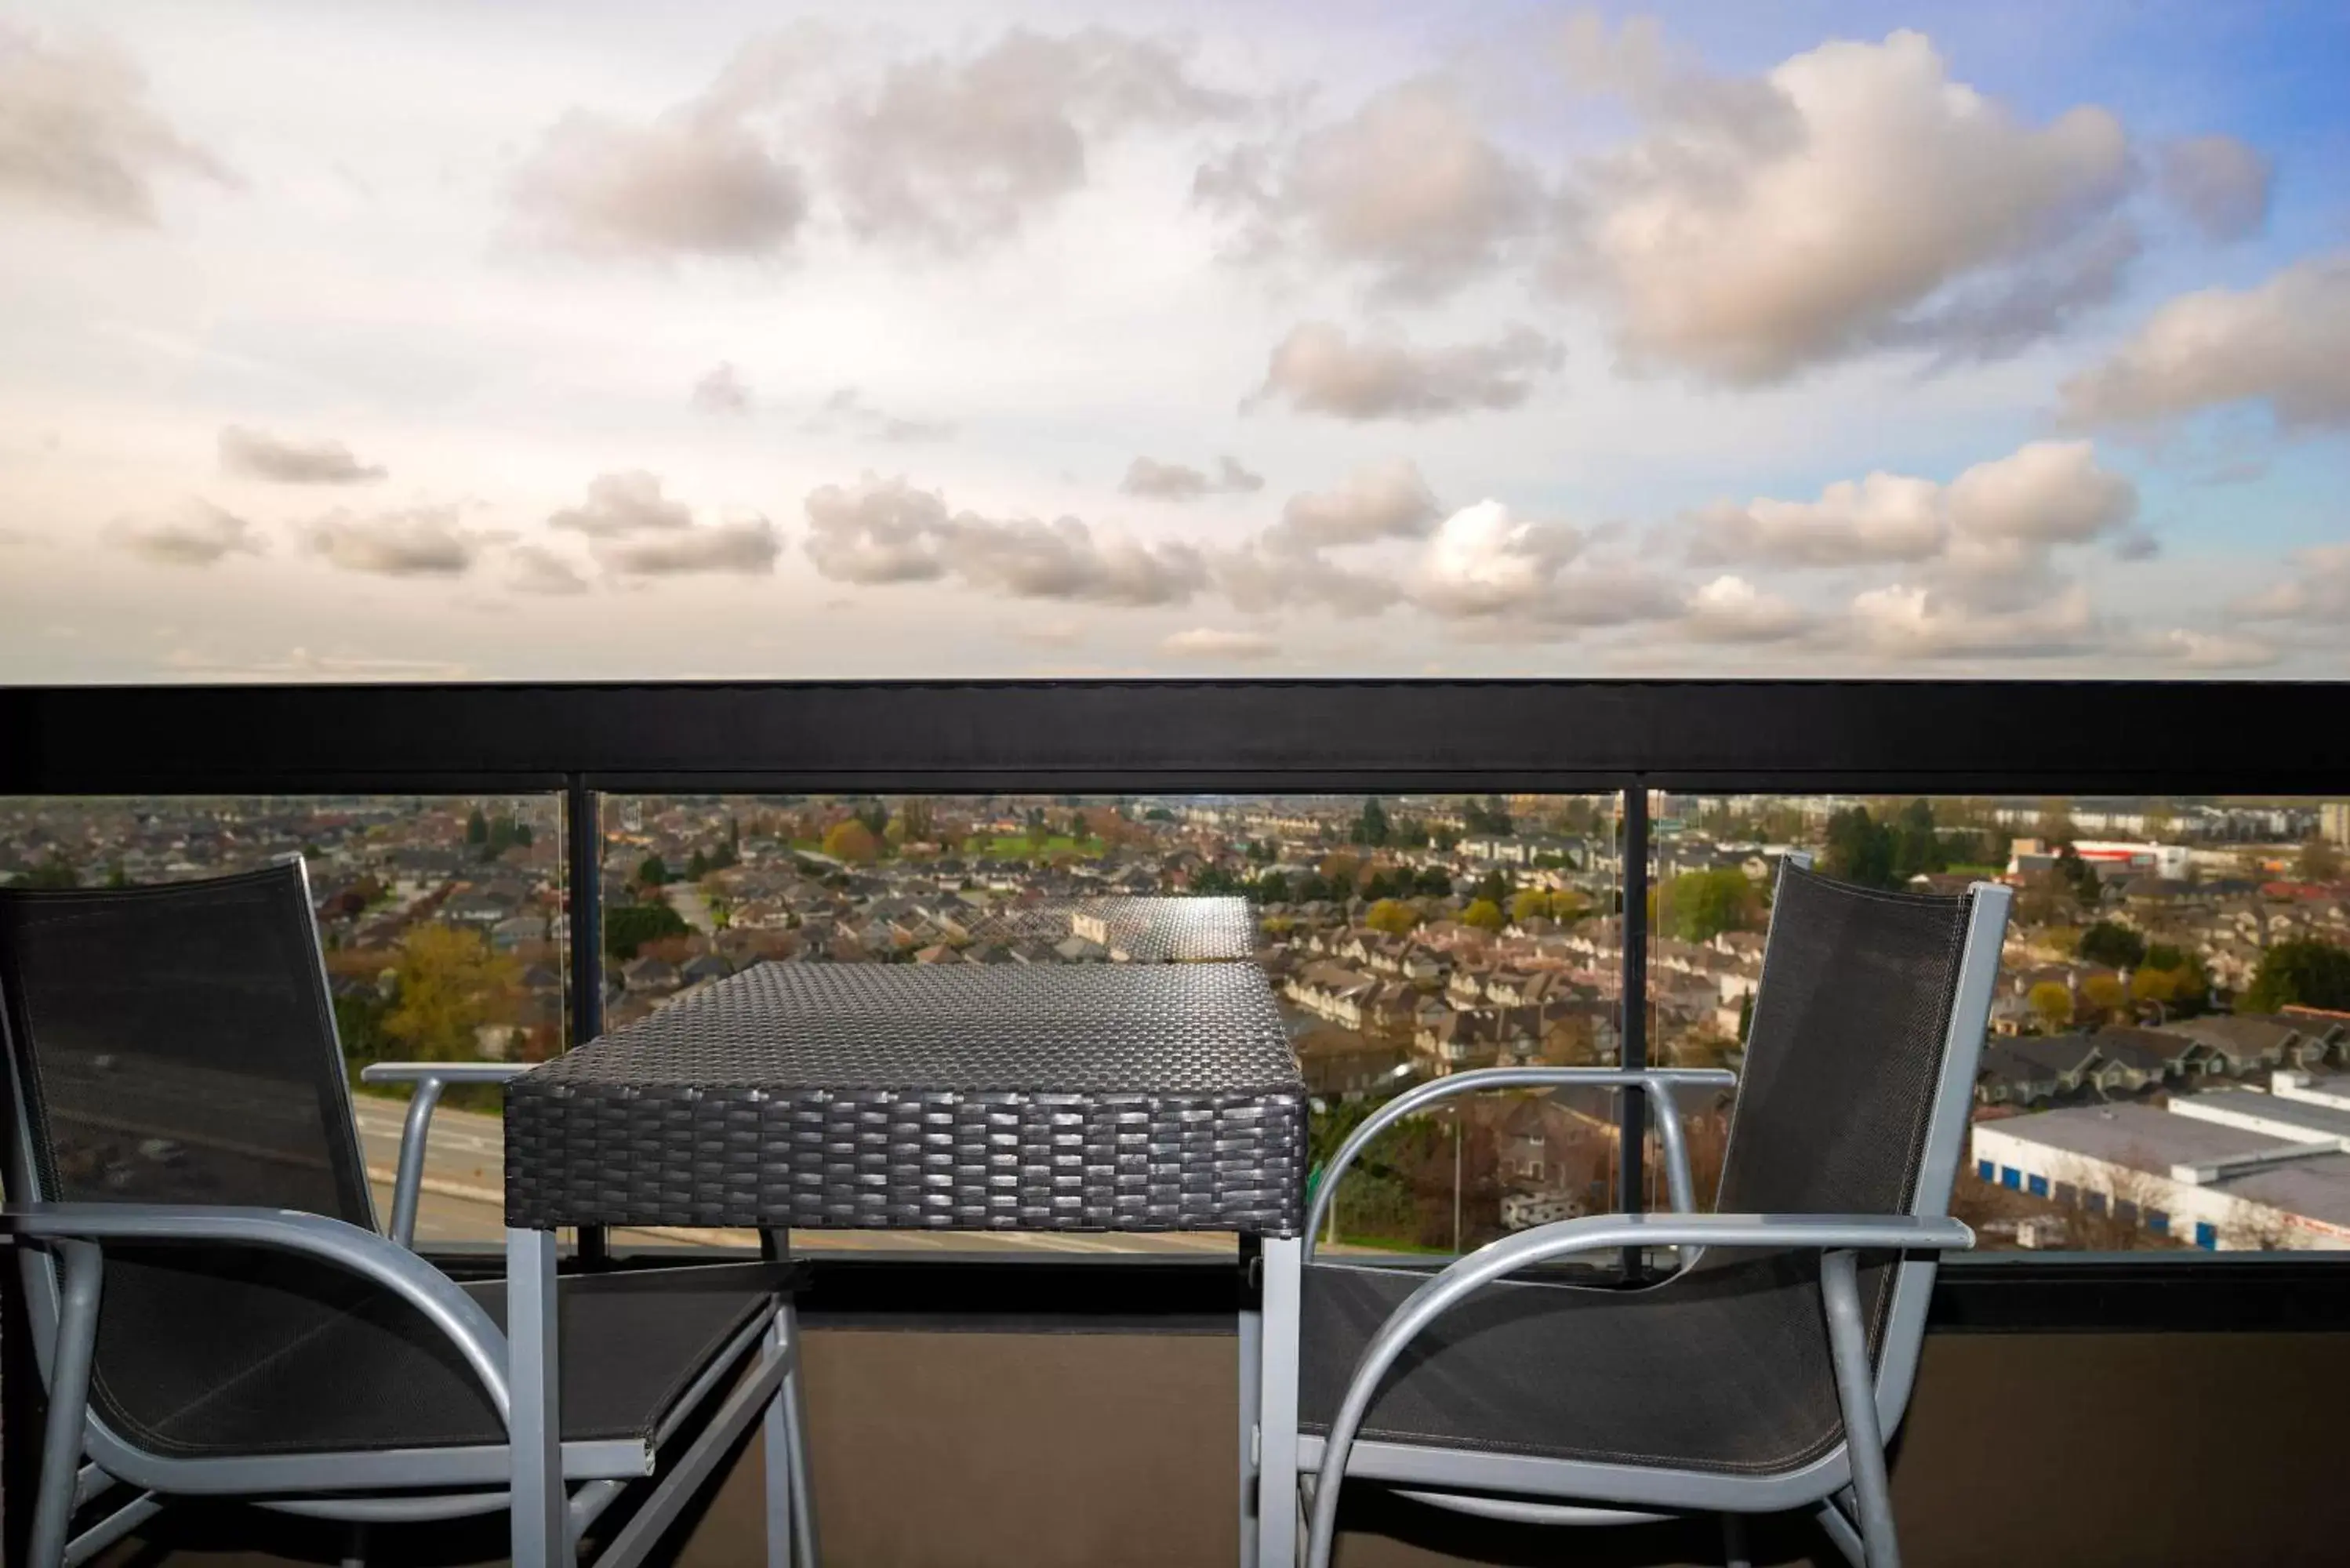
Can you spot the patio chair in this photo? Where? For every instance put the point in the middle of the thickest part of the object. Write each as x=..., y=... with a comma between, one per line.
x=1767, y=1370
x=215, y=1312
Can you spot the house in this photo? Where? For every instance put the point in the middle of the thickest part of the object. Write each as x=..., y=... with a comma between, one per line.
x=2254, y=1042
x=648, y=975
x=1332, y=991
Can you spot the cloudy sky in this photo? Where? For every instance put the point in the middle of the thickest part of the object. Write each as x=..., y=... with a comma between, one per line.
x=595, y=340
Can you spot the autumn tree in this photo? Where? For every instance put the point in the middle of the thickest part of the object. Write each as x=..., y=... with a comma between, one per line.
x=1483, y=914
x=851, y=840
x=1392, y=916
x=2104, y=993
x=1533, y=904
x=2053, y=1003
x=448, y=983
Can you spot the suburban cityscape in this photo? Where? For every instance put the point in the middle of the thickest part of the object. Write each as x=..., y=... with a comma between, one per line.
x=2169, y=1063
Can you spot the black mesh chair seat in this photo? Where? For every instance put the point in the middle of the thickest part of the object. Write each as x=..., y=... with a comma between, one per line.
x=348, y=1371
x=1724, y=1367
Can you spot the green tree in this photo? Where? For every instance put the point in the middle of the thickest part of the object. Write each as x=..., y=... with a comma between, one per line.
x=477, y=827
x=2053, y=1003
x=449, y=983
x=652, y=872
x=1392, y=916
x=1273, y=887
x=1432, y=882
x=853, y=839
x=2317, y=862
x=2086, y=885
x=1859, y=850
x=1915, y=847
x=116, y=876
x=629, y=926
x=1484, y=914
x=697, y=866
x=1703, y=904
x=56, y=871
x=2113, y=945
x=2309, y=972
x=1371, y=826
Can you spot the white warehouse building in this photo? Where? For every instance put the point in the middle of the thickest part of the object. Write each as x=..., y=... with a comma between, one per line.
x=2230, y=1169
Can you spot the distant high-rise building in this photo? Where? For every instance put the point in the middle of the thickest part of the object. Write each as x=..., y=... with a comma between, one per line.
x=2334, y=820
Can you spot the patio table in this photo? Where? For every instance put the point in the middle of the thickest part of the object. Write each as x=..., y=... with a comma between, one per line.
x=1132, y=1096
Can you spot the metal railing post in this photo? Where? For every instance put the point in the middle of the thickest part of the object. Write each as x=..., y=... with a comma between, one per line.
x=583, y=884
x=1632, y=877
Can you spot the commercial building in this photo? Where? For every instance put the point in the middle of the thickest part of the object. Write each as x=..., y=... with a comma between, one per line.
x=2234, y=1169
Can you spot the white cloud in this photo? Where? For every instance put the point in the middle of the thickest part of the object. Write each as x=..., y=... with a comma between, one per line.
x=881, y=531
x=846, y=409
x=1214, y=642
x=697, y=181
x=539, y=570
x=1908, y=622
x=2194, y=650
x=952, y=153
x=78, y=135
x=1272, y=573
x=1379, y=501
x=2318, y=590
x=627, y=502
x=1732, y=609
x=194, y=533
x=1319, y=368
x=256, y=455
x=1883, y=517
x=1989, y=531
x=1864, y=198
x=413, y=542
x=886, y=531
x=722, y=391
x=1179, y=482
x=1067, y=559
x=1483, y=561
x=745, y=547
x=2284, y=344
x=2219, y=184
x=1407, y=188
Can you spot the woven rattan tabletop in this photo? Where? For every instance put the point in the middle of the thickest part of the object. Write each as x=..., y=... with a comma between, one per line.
x=1077, y=1097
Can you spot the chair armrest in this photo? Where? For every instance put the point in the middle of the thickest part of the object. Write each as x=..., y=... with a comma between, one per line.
x=1657, y=1083
x=398, y=1271
x=442, y=1072
x=1598, y=1233
x=429, y=1078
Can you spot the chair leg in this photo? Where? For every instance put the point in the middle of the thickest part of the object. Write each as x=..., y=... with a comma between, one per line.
x=355, y=1544
x=777, y=1442
x=1856, y=1397
x=53, y=1506
x=1733, y=1542
x=787, y=1436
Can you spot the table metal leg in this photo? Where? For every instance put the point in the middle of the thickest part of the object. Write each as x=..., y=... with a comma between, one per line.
x=1277, y=1406
x=541, y=1529
x=1251, y=1348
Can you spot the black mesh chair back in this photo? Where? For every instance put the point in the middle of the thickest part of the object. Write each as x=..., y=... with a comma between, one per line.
x=1843, y=1053
x=175, y=1044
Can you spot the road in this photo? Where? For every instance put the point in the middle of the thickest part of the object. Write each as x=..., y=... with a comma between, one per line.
x=464, y=1165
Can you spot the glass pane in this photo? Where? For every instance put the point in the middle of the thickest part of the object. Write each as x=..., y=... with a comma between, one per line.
x=1405, y=938
x=441, y=925
x=2167, y=1060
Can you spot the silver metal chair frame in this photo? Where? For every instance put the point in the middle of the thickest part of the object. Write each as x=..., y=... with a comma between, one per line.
x=62, y=1248
x=1847, y=1486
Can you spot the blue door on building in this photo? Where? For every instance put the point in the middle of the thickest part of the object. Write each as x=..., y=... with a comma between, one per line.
x=2207, y=1236
x=2037, y=1187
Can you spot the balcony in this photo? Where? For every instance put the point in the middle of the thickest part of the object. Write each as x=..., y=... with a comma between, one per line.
x=2092, y=1389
